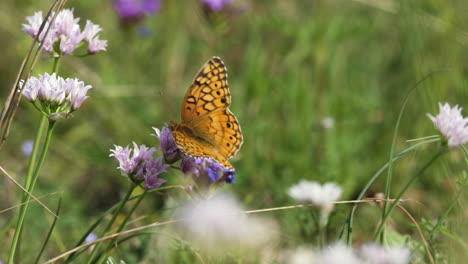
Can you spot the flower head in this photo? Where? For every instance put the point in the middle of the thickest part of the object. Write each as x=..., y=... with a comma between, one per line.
x=135, y=9
x=90, y=237
x=55, y=94
x=205, y=171
x=27, y=147
x=141, y=167
x=167, y=144
x=337, y=253
x=34, y=23
x=320, y=195
x=451, y=123
x=90, y=35
x=218, y=223
x=216, y=5
x=64, y=29
x=374, y=253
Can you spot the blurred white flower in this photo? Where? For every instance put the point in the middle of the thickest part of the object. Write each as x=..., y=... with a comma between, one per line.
x=451, y=123
x=220, y=223
x=320, y=195
x=302, y=255
x=327, y=122
x=376, y=254
x=337, y=253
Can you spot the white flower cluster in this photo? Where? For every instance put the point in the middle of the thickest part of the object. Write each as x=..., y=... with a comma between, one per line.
x=451, y=123
x=316, y=193
x=55, y=94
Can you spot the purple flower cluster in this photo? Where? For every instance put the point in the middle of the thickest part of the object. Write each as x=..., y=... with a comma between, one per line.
x=141, y=166
x=55, y=94
x=135, y=9
x=205, y=171
x=66, y=31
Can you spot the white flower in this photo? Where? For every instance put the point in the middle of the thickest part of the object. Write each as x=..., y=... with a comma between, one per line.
x=327, y=122
x=219, y=222
x=337, y=253
x=451, y=124
x=66, y=30
x=65, y=22
x=90, y=34
x=376, y=254
x=302, y=255
x=320, y=195
x=34, y=23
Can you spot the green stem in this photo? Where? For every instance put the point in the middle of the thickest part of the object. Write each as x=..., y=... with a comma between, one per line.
x=403, y=191
x=103, y=215
x=24, y=207
x=32, y=159
x=122, y=225
x=349, y=220
x=111, y=222
x=441, y=218
x=55, y=66
x=49, y=234
x=323, y=222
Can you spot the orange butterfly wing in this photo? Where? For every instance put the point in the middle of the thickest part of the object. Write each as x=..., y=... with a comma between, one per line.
x=208, y=128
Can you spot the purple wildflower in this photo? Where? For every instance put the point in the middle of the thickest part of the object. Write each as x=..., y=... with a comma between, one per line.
x=216, y=5
x=167, y=144
x=205, y=171
x=135, y=9
x=27, y=147
x=91, y=237
x=141, y=166
x=66, y=30
x=55, y=94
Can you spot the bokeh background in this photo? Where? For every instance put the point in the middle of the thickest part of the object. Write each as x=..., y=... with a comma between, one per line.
x=316, y=85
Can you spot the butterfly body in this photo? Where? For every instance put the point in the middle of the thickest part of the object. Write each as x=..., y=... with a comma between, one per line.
x=208, y=128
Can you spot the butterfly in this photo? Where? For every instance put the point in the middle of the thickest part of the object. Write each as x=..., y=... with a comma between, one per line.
x=208, y=128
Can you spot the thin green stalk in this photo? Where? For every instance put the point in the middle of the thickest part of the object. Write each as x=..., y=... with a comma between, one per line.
x=322, y=226
x=32, y=160
x=33, y=157
x=349, y=220
x=91, y=228
x=403, y=191
x=122, y=225
x=50, y=231
x=24, y=207
x=55, y=66
x=111, y=222
x=103, y=215
x=441, y=218
x=388, y=181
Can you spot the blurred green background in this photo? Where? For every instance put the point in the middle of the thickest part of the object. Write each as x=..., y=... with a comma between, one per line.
x=316, y=86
